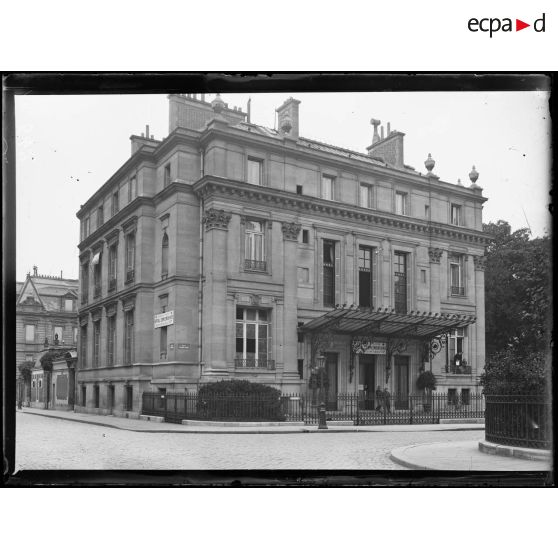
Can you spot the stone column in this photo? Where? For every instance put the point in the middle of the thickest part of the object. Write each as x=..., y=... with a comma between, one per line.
x=215, y=292
x=290, y=339
x=479, y=327
x=435, y=254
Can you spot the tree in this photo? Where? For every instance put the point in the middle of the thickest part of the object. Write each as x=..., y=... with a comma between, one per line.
x=518, y=307
x=25, y=370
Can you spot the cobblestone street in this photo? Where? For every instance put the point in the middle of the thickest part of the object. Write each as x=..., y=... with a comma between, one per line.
x=46, y=443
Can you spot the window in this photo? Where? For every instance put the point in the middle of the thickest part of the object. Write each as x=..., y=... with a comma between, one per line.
x=111, y=339
x=365, y=195
x=365, y=276
x=465, y=396
x=401, y=203
x=305, y=236
x=115, y=203
x=85, y=228
x=163, y=342
x=83, y=347
x=132, y=188
x=85, y=283
x=427, y=212
x=165, y=257
x=30, y=333
x=74, y=334
x=58, y=334
x=129, y=399
x=457, y=286
x=423, y=276
x=100, y=216
x=128, y=337
x=68, y=304
x=328, y=186
x=300, y=367
x=254, y=171
x=83, y=396
x=112, y=266
x=329, y=272
x=130, y=256
x=456, y=349
x=299, y=189
x=400, y=282
x=455, y=214
x=452, y=396
x=96, y=396
x=164, y=301
x=96, y=340
x=303, y=274
x=254, y=248
x=253, y=341
x=167, y=175
x=97, y=275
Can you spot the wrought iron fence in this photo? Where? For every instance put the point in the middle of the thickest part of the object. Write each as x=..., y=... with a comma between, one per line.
x=343, y=407
x=254, y=363
x=518, y=420
x=255, y=265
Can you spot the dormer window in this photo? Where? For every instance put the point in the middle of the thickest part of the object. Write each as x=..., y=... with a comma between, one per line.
x=328, y=186
x=401, y=203
x=365, y=195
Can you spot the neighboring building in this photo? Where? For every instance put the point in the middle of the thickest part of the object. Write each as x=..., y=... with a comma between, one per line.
x=231, y=250
x=46, y=315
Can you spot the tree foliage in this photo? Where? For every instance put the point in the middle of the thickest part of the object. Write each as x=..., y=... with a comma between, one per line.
x=426, y=380
x=518, y=311
x=25, y=369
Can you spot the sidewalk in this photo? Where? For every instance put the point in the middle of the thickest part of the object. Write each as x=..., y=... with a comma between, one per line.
x=165, y=427
x=461, y=456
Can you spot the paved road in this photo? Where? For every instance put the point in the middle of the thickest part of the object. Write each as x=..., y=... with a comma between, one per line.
x=46, y=443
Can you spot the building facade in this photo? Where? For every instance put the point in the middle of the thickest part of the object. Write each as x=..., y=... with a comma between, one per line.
x=46, y=315
x=231, y=250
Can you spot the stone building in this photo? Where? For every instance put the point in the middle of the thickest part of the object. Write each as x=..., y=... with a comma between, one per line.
x=231, y=250
x=46, y=315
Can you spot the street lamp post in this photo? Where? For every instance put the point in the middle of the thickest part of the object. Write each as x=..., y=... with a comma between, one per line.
x=320, y=364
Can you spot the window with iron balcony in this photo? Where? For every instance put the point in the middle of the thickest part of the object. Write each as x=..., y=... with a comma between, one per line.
x=254, y=246
x=113, y=262
x=130, y=257
x=253, y=339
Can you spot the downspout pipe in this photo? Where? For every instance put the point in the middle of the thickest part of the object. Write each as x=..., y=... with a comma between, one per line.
x=200, y=274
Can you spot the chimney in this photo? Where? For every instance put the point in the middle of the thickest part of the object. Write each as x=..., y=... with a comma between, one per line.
x=390, y=148
x=287, y=116
x=35, y=270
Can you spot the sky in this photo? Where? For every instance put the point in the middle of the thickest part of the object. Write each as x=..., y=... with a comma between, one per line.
x=68, y=146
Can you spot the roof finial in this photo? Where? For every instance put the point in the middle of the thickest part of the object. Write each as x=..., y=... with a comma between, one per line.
x=429, y=163
x=474, y=175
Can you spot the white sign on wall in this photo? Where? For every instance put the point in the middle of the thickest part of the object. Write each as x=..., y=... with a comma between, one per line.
x=375, y=349
x=164, y=319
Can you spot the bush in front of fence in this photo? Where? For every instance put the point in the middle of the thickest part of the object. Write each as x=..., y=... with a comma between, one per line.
x=239, y=400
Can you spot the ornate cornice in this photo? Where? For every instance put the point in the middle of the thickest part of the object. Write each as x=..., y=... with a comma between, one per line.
x=290, y=231
x=130, y=225
x=241, y=192
x=216, y=219
x=112, y=237
x=128, y=302
x=480, y=262
x=435, y=254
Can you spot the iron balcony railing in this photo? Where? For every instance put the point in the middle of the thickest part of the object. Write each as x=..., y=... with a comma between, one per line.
x=518, y=420
x=254, y=363
x=459, y=291
x=255, y=265
x=458, y=369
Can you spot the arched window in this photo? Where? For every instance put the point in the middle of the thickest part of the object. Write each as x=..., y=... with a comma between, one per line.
x=165, y=257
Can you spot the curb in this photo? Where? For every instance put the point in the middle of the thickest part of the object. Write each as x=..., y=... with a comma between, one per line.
x=393, y=455
x=188, y=422
x=511, y=451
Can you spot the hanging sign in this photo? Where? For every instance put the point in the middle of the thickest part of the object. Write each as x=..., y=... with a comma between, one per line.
x=375, y=349
x=164, y=319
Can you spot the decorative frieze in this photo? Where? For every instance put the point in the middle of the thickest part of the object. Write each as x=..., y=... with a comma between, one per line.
x=290, y=231
x=129, y=303
x=110, y=309
x=216, y=219
x=435, y=254
x=480, y=262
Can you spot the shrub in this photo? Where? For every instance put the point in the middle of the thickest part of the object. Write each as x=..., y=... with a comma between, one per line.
x=426, y=380
x=239, y=400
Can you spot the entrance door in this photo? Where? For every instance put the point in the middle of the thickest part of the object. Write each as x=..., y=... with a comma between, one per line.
x=401, y=376
x=332, y=384
x=367, y=378
x=110, y=398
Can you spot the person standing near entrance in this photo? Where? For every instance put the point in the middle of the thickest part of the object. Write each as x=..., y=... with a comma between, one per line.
x=387, y=401
x=379, y=399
